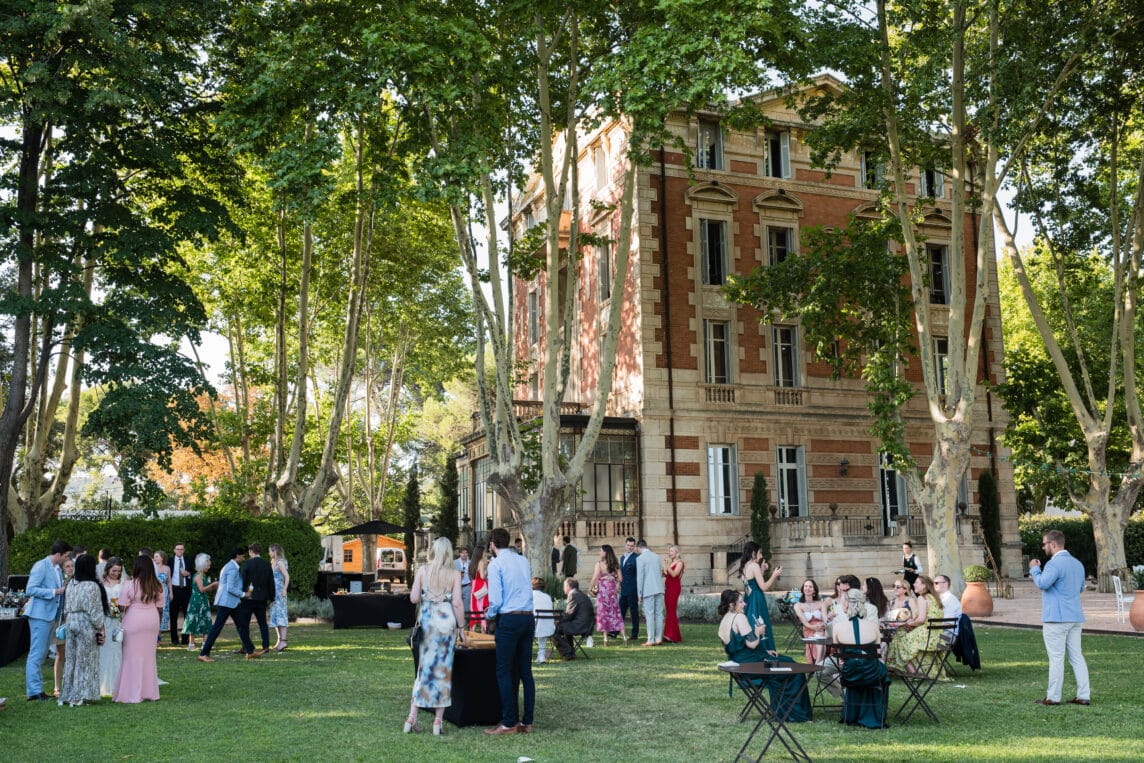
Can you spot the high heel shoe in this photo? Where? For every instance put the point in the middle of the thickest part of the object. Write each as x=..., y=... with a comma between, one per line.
x=410, y=725
x=280, y=647
x=436, y=728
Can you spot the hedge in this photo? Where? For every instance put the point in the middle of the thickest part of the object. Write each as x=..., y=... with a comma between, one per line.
x=1078, y=538
x=212, y=535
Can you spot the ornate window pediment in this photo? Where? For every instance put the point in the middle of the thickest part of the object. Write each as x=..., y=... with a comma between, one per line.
x=712, y=192
x=778, y=201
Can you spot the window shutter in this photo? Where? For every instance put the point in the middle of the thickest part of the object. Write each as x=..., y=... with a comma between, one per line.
x=704, y=251
x=784, y=142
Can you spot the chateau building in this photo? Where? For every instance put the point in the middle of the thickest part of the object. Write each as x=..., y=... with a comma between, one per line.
x=705, y=396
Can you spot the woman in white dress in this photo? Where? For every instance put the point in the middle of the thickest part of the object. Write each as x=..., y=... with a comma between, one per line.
x=111, y=653
x=545, y=626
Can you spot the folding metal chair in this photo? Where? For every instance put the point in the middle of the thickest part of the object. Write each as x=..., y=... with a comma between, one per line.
x=931, y=666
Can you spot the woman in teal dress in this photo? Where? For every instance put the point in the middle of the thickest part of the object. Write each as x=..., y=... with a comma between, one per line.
x=198, y=619
x=163, y=572
x=752, y=566
x=744, y=643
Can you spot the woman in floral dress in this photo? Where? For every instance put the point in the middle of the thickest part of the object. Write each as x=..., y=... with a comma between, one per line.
x=198, y=619
x=87, y=606
x=912, y=638
x=279, y=618
x=606, y=585
x=164, y=574
x=437, y=586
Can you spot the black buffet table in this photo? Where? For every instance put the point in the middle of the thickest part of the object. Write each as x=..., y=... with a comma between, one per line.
x=476, y=697
x=14, y=639
x=374, y=609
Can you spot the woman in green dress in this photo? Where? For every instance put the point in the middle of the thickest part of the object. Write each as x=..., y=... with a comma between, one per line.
x=912, y=638
x=744, y=643
x=752, y=566
x=198, y=620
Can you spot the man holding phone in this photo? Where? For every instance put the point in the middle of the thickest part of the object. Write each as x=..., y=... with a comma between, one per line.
x=1061, y=582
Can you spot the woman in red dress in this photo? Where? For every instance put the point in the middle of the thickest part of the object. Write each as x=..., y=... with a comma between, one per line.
x=479, y=595
x=672, y=585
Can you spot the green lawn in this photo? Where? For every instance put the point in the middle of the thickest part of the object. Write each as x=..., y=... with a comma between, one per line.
x=342, y=695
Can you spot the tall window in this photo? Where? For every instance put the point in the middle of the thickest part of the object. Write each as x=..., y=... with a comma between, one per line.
x=600, y=161
x=931, y=183
x=939, y=273
x=533, y=317
x=780, y=243
x=792, y=481
x=785, y=340
x=893, y=493
x=604, y=265
x=777, y=153
x=722, y=479
x=717, y=340
x=941, y=362
x=873, y=171
x=713, y=245
x=709, y=152
x=609, y=484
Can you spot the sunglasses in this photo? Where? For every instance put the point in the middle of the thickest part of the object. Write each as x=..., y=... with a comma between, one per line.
x=898, y=586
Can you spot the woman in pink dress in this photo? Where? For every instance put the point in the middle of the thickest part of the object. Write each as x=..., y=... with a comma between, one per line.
x=142, y=601
x=672, y=585
x=479, y=596
x=605, y=586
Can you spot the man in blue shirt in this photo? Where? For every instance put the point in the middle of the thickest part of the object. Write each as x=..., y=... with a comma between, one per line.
x=1061, y=581
x=510, y=602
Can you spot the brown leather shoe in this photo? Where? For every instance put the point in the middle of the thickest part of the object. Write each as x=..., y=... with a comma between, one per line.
x=524, y=728
x=499, y=729
x=205, y=658
x=1079, y=701
x=1046, y=702
x=253, y=656
x=263, y=652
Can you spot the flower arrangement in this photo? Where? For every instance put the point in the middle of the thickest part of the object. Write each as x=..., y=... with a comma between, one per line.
x=976, y=573
x=1138, y=577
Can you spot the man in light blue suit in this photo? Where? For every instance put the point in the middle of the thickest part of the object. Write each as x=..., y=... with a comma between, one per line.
x=649, y=586
x=227, y=599
x=1061, y=582
x=45, y=586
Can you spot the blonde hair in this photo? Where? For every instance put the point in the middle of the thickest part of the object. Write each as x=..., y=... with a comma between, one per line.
x=276, y=551
x=440, y=561
x=855, y=604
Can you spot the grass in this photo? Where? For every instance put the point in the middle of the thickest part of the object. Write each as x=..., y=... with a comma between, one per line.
x=341, y=695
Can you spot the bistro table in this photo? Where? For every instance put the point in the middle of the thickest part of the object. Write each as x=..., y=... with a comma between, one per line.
x=824, y=685
x=14, y=639
x=784, y=673
x=374, y=609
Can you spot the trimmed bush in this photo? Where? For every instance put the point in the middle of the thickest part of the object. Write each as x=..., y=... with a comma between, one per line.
x=310, y=606
x=212, y=535
x=1078, y=538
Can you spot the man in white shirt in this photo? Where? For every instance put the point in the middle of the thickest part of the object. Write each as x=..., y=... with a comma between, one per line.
x=950, y=604
x=461, y=564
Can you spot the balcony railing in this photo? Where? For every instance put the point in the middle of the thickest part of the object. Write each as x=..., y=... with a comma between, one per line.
x=788, y=396
x=526, y=410
x=720, y=393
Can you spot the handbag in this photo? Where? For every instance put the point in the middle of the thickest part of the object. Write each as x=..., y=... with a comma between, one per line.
x=62, y=632
x=415, y=637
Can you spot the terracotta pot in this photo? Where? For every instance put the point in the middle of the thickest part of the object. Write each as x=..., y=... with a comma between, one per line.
x=977, y=601
x=1136, y=614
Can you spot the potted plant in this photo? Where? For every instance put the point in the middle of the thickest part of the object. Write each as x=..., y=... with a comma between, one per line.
x=1136, y=614
x=976, y=601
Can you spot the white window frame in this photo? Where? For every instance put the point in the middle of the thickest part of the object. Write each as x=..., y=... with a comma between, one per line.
x=600, y=166
x=891, y=490
x=722, y=480
x=787, y=247
x=937, y=257
x=779, y=139
x=941, y=362
x=604, y=269
x=790, y=471
x=712, y=342
x=931, y=183
x=784, y=340
x=533, y=316
x=705, y=254
x=709, y=147
x=873, y=172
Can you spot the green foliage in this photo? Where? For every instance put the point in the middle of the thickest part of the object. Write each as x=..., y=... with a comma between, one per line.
x=847, y=289
x=698, y=609
x=1078, y=538
x=211, y=535
x=309, y=606
x=446, y=523
x=990, y=513
x=760, y=516
x=411, y=518
x=976, y=573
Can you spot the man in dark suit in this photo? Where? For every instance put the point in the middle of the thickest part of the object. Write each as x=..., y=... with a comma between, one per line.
x=180, y=591
x=258, y=584
x=629, y=592
x=579, y=618
x=568, y=558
